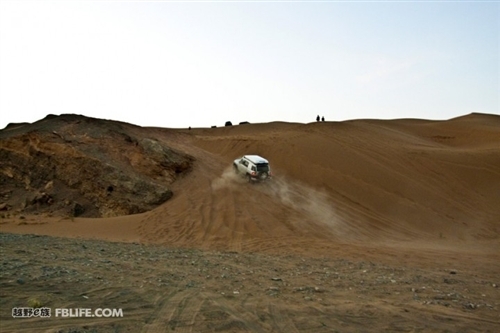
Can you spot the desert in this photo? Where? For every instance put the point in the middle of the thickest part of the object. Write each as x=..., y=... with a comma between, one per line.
x=367, y=226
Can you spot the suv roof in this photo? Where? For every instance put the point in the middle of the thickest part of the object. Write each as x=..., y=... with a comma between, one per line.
x=256, y=159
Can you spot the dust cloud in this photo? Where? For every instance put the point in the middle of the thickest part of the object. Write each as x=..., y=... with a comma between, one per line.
x=314, y=205
x=228, y=179
x=311, y=204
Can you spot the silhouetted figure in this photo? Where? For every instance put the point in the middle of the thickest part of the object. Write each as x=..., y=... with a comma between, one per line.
x=228, y=123
x=317, y=118
x=322, y=118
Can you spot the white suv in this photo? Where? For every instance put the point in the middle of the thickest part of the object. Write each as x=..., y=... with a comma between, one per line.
x=253, y=167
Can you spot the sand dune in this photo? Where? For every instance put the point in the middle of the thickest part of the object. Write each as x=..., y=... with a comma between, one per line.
x=365, y=181
x=360, y=180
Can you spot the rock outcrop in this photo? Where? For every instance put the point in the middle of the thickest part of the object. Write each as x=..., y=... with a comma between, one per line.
x=79, y=166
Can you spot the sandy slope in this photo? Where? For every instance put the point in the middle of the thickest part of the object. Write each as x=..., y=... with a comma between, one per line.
x=354, y=181
x=414, y=183
x=363, y=181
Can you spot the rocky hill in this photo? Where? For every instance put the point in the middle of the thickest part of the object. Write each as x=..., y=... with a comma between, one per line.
x=72, y=165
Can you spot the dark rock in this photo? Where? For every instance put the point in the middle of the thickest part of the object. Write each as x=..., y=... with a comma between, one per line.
x=85, y=160
x=13, y=125
x=50, y=116
x=42, y=198
x=77, y=209
x=470, y=306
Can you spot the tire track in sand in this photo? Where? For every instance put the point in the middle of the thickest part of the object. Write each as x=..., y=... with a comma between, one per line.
x=177, y=311
x=281, y=322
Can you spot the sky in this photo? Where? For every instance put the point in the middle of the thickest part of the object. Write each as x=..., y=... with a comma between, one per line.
x=202, y=63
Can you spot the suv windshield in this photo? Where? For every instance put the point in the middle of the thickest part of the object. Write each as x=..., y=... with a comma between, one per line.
x=262, y=167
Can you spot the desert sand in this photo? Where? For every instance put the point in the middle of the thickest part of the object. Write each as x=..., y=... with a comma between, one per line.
x=386, y=225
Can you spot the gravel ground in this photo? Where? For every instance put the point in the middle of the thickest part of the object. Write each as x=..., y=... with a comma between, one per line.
x=162, y=289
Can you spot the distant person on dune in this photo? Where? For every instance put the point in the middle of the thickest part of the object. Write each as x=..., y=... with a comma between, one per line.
x=322, y=118
x=317, y=118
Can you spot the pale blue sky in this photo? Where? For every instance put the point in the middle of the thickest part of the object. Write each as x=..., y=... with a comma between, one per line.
x=179, y=64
